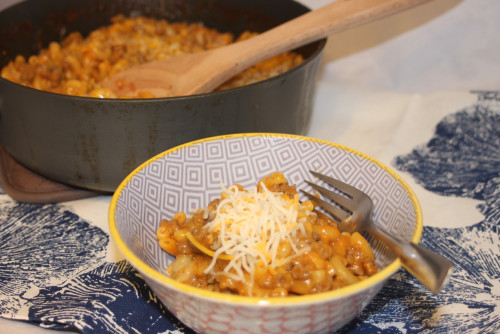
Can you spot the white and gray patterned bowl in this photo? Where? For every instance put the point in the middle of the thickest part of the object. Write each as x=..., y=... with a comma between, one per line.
x=188, y=177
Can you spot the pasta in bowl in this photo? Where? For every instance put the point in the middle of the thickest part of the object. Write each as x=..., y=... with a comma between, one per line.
x=263, y=242
x=279, y=297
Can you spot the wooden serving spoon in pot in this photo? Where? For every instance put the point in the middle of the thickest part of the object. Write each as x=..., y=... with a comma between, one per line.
x=203, y=72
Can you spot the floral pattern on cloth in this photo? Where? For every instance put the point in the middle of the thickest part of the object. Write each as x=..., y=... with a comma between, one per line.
x=462, y=159
x=54, y=272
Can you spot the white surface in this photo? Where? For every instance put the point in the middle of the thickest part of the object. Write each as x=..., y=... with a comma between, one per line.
x=443, y=46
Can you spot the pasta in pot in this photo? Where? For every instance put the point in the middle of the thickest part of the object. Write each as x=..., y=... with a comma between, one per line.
x=77, y=65
x=263, y=242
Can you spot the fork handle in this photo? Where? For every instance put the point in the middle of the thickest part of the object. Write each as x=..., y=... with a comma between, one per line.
x=430, y=268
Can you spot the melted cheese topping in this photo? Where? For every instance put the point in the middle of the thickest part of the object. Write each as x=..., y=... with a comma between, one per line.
x=251, y=225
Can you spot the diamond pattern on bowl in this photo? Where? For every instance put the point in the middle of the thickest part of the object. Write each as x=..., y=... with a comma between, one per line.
x=189, y=177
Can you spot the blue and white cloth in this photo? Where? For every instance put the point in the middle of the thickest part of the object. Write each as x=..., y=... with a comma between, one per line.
x=59, y=269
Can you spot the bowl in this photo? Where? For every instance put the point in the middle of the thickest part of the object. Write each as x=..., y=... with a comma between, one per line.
x=188, y=177
x=95, y=143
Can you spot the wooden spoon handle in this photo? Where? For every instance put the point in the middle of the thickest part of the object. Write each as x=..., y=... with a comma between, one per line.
x=312, y=26
x=203, y=72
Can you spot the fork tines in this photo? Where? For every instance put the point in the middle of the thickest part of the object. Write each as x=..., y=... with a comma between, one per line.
x=346, y=189
x=341, y=211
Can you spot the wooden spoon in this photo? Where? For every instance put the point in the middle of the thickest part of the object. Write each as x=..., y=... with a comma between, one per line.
x=203, y=72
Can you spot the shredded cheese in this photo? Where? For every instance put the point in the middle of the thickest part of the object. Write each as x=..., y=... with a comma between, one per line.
x=251, y=225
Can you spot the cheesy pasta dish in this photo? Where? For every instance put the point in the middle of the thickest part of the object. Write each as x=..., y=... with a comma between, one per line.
x=263, y=242
x=77, y=65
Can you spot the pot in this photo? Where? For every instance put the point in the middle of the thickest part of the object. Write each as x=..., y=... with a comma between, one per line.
x=94, y=143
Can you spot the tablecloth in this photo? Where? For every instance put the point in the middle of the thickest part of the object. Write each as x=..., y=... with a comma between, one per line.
x=420, y=92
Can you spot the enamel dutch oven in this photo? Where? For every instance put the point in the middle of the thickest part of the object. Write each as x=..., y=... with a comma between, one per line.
x=94, y=143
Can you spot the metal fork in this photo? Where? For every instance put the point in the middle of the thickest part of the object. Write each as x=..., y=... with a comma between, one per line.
x=353, y=211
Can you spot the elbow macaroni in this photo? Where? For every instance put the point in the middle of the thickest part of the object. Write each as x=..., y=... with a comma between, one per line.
x=317, y=257
x=77, y=65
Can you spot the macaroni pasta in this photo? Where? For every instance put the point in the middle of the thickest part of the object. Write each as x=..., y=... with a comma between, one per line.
x=77, y=65
x=263, y=242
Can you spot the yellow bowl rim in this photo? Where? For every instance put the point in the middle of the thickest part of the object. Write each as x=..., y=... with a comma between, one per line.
x=144, y=268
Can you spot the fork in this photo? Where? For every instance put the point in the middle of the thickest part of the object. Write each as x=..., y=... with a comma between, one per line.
x=353, y=212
